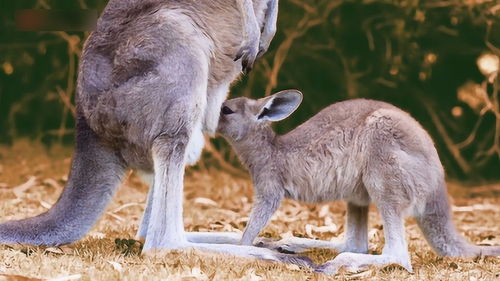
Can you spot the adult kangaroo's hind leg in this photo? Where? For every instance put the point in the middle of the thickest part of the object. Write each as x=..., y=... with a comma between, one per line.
x=143, y=226
x=95, y=172
x=165, y=229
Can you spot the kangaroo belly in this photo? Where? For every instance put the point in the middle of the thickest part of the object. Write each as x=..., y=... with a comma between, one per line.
x=328, y=185
x=326, y=174
x=195, y=146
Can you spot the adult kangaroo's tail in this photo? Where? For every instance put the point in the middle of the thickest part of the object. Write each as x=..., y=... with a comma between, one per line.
x=437, y=226
x=95, y=172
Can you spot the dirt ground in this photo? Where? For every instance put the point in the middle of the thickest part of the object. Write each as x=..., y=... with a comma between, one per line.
x=32, y=177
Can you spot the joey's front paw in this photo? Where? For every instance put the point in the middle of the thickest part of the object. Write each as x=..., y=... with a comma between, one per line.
x=264, y=45
x=248, y=54
x=266, y=37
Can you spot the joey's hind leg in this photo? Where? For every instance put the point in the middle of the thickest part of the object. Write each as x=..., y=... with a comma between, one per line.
x=385, y=184
x=356, y=234
x=355, y=241
x=395, y=249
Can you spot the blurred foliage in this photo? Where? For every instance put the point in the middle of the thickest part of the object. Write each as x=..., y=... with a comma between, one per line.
x=419, y=55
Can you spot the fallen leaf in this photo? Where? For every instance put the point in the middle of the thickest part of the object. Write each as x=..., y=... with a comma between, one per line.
x=118, y=267
x=329, y=221
x=124, y=206
x=67, y=249
x=360, y=275
x=53, y=183
x=490, y=241
x=285, y=235
x=309, y=230
x=241, y=220
x=98, y=235
x=216, y=225
x=205, y=201
x=46, y=205
x=250, y=275
x=67, y=278
x=54, y=250
x=476, y=207
x=117, y=217
x=196, y=272
x=332, y=228
x=325, y=210
x=292, y=267
x=21, y=189
x=7, y=277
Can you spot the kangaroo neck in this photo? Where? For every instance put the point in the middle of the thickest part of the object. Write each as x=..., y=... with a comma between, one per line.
x=258, y=150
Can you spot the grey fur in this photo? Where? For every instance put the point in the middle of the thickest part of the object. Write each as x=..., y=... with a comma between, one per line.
x=360, y=151
x=95, y=172
x=152, y=78
x=256, y=43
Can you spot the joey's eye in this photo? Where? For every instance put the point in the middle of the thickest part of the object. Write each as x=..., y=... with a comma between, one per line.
x=226, y=110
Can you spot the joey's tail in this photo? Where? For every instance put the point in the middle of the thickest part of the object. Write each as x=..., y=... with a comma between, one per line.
x=95, y=172
x=436, y=224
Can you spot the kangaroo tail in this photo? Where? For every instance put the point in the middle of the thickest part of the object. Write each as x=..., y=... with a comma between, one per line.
x=436, y=224
x=96, y=170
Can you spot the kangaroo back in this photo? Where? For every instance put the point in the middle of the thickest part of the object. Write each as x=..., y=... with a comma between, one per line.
x=95, y=172
x=427, y=189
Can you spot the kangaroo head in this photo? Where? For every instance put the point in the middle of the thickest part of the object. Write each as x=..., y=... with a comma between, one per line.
x=240, y=116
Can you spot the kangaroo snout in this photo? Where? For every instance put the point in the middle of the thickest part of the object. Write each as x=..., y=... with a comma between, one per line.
x=225, y=110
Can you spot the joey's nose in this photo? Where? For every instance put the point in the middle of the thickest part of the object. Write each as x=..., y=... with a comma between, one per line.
x=221, y=122
x=226, y=110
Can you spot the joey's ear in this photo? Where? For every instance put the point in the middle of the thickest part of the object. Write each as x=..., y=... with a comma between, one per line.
x=279, y=106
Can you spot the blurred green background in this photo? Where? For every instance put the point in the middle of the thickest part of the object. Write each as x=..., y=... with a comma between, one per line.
x=438, y=60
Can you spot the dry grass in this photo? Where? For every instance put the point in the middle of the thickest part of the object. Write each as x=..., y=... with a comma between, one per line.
x=215, y=201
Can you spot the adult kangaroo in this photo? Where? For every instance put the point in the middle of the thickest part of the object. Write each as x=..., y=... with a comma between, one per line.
x=152, y=78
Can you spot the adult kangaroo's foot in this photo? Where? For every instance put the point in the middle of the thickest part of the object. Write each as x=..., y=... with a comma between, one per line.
x=95, y=172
